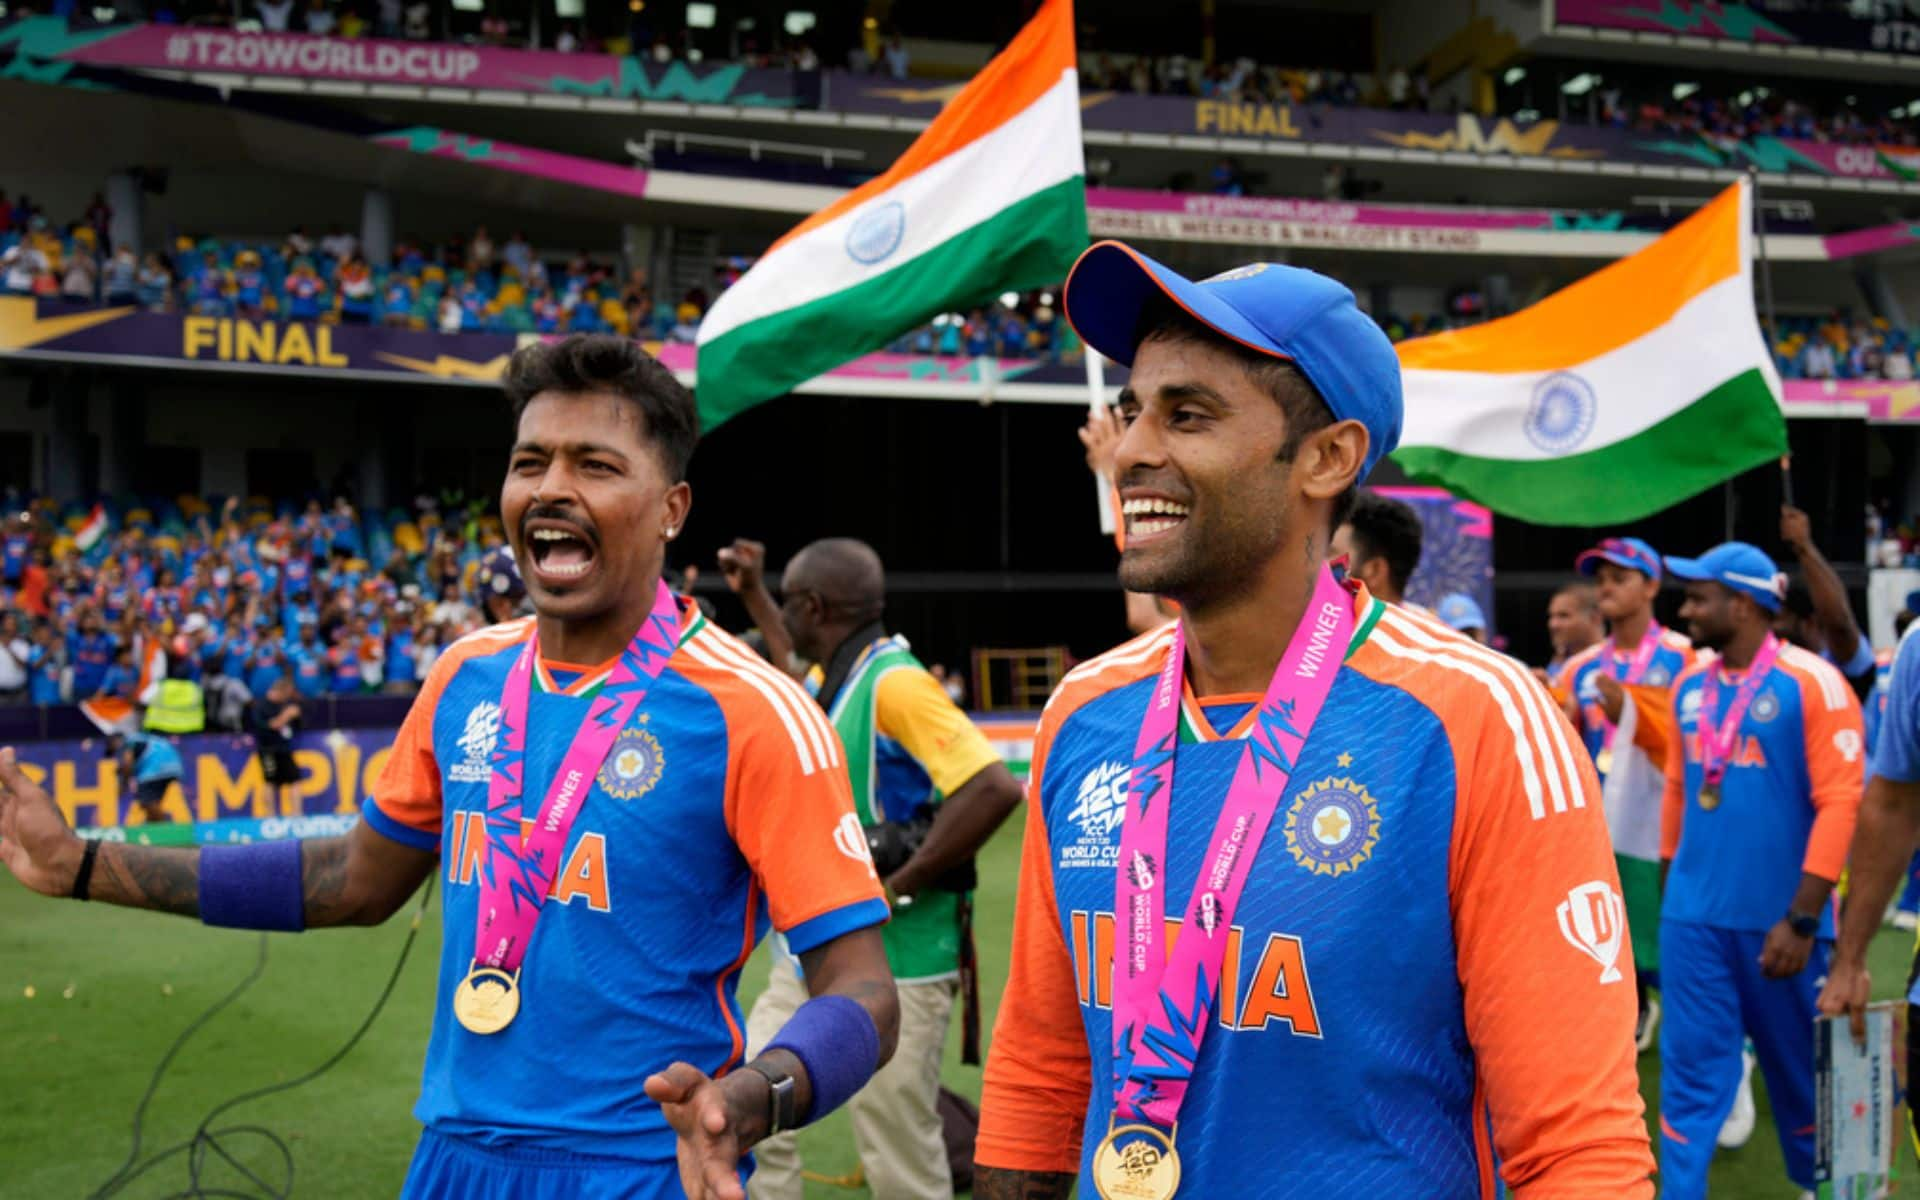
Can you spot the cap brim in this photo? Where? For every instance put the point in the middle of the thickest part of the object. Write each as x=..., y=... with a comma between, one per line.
x=1112, y=284
x=1689, y=568
x=1588, y=563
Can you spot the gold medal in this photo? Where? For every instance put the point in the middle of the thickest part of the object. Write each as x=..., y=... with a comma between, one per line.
x=1709, y=796
x=1603, y=761
x=487, y=1000
x=1136, y=1162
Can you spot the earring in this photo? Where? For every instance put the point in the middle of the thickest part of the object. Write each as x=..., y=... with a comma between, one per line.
x=672, y=531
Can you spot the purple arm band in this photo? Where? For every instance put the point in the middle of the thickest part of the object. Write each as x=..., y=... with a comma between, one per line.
x=835, y=1040
x=253, y=886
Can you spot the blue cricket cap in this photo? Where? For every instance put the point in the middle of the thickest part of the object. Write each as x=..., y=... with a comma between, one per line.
x=1743, y=567
x=1460, y=611
x=1288, y=312
x=1630, y=553
x=499, y=575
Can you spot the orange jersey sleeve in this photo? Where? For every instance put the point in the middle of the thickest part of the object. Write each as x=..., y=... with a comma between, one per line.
x=789, y=807
x=1039, y=1073
x=1836, y=760
x=1540, y=934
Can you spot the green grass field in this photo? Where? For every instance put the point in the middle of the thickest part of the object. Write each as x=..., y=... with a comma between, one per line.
x=91, y=996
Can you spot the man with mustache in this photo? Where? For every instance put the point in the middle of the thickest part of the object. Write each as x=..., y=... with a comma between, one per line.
x=1401, y=959
x=624, y=798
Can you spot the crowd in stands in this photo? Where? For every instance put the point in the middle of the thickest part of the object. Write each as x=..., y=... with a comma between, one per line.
x=1753, y=112
x=468, y=283
x=242, y=593
x=1842, y=346
x=1245, y=81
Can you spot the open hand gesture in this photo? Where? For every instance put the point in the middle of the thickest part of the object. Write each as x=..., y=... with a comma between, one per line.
x=708, y=1127
x=35, y=842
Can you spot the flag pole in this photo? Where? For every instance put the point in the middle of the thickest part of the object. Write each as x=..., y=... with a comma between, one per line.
x=1773, y=328
x=1097, y=404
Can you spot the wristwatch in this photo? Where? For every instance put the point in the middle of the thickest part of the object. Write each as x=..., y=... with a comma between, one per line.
x=782, y=1108
x=1802, y=924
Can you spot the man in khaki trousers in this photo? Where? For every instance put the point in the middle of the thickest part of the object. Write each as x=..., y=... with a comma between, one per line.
x=929, y=791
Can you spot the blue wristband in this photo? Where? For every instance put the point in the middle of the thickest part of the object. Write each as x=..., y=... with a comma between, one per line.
x=253, y=886
x=835, y=1040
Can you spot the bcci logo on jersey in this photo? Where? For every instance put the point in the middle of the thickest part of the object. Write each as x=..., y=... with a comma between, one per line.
x=477, y=740
x=632, y=765
x=1098, y=809
x=1593, y=919
x=1333, y=826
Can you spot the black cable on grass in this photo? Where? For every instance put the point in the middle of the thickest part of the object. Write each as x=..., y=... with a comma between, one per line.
x=208, y=1141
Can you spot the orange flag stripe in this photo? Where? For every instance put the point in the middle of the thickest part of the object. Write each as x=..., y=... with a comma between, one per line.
x=1019, y=75
x=1615, y=305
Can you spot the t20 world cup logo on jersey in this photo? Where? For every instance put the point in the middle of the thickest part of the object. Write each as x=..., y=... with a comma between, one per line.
x=476, y=741
x=1097, y=811
x=1593, y=919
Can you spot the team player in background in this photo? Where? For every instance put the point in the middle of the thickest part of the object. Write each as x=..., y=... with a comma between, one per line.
x=1402, y=924
x=1762, y=789
x=621, y=798
x=1573, y=624
x=1618, y=693
x=1381, y=541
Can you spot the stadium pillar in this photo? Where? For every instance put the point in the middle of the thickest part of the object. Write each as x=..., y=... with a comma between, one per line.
x=122, y=433
x=376, y=225
x=375, y=421
x=72, y=472
x=636, y=245
x=127, y=199
x=1872, y=280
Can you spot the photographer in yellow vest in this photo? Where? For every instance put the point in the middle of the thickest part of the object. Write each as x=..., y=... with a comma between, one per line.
x=929, y=791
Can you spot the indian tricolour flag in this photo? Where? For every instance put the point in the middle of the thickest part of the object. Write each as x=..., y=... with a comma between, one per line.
x=990, y=198
x=1620, y=395
x=92, y=529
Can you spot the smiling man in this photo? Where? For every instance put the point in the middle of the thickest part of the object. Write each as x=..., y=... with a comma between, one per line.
x=1402, y=928
x=1763, y=788
x=623, y=798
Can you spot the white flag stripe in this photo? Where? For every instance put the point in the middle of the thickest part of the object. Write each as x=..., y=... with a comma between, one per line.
x=1709, y=341
x=947, y=198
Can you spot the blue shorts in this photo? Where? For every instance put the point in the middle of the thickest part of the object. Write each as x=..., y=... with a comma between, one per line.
x=459, y=1169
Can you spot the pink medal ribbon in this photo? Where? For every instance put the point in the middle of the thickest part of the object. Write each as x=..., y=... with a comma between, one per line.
x=1161, y=1008
x=1717, y=738
x=518, y=872
x=1636, y=668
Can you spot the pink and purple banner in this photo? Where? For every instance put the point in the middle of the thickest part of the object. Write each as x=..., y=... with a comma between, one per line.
x=426, y=64
x=1456, y=546
x=1887, y=28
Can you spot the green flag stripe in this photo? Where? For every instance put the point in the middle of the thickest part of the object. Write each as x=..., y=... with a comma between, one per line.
x=1735, y=426
x=1026, y=245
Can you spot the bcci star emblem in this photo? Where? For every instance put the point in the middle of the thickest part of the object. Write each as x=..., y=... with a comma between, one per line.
x=632, y=766
x=1766, y=706
x=1333, y=826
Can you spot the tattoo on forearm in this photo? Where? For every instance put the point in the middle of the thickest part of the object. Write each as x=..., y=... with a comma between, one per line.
x=162, y=878
x=996, y=1183
x=323, y=881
